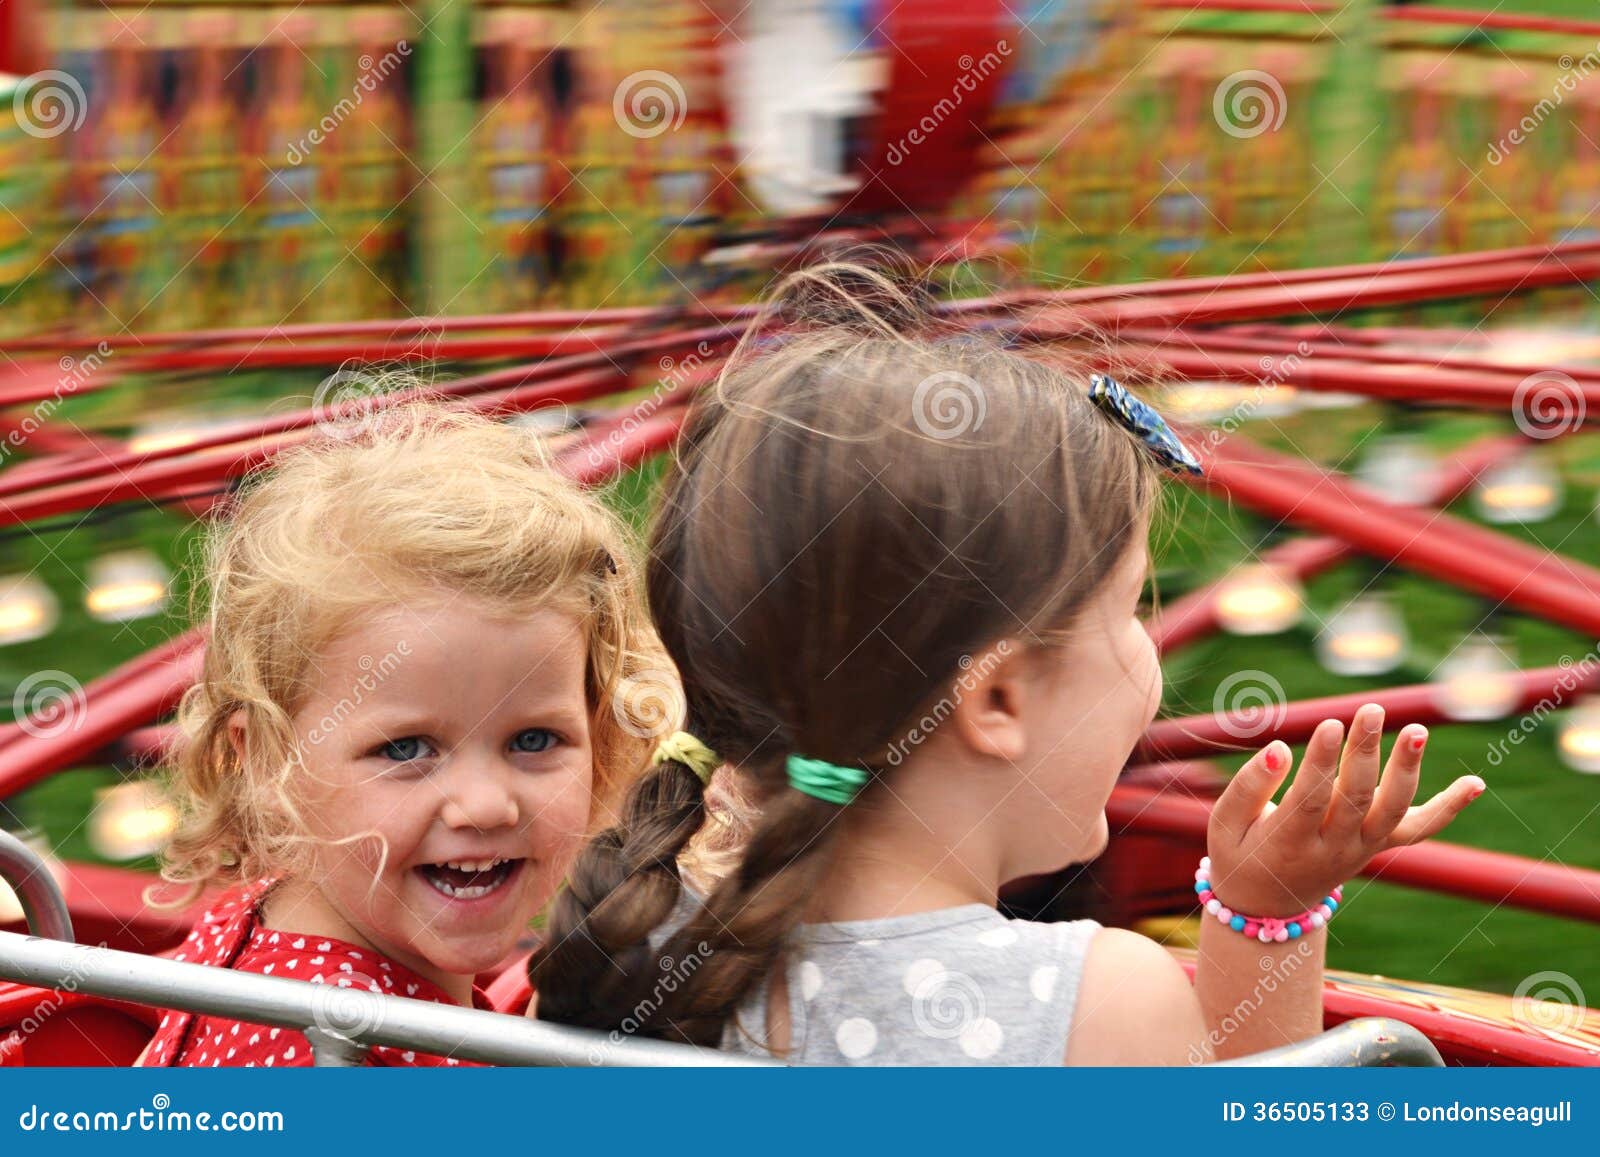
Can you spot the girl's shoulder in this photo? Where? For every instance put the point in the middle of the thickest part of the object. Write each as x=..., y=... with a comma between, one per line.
x=230, y=935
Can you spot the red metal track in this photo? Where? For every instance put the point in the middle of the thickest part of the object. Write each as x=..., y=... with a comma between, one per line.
x=1494, y=565
x=1396, y=285
x=1194, y=736
x=1195, y=615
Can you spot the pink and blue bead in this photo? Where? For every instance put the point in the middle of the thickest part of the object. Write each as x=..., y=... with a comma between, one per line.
x=1268, y=930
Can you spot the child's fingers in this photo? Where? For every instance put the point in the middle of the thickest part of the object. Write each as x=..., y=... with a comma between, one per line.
x=1306, y=801
x=1251, y=790
x=1398, y=786
x=1358, y=774
x=1433, y=817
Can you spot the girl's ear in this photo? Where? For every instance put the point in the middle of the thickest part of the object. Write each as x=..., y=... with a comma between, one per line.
x=988, y=702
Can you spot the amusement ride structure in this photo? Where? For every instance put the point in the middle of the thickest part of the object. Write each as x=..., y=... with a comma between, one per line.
x=614, y=246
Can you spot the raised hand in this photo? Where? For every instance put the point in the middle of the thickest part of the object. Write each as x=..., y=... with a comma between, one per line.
x=1338, y=813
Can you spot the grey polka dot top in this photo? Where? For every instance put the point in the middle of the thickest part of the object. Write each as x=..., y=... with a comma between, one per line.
x=959, y=986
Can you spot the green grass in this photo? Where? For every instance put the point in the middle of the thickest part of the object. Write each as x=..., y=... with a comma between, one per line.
x=1535, y=806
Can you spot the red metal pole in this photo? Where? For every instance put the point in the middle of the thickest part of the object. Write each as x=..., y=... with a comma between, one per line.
x=615, y=357
x=1429, y=542
x=1194, y=616
x=1412, y=381
x=1148, y=290
x=1472, y=369
x=1390, y=286
x=139, y=691
x=574, y=320
x=1196, y=736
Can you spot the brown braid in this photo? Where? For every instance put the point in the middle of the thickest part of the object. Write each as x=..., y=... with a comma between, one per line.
x=736, y=938
x=624, y=884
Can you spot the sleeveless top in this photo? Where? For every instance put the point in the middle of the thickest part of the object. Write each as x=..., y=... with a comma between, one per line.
x=957, y=986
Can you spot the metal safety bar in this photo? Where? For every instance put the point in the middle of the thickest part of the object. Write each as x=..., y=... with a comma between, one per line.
x=43, y=905
x=1368, y=1043
x=341, y=1023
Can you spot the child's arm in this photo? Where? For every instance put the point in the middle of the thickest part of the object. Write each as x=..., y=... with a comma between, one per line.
x=1135, y=1005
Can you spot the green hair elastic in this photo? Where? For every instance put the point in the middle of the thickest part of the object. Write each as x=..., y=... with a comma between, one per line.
x=826, y=781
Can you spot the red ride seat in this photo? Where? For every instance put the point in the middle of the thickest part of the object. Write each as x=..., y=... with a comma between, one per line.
x=510, y=991
x=42, y=1028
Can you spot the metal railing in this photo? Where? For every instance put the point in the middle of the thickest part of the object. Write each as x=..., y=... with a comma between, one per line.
x=1370, y=1042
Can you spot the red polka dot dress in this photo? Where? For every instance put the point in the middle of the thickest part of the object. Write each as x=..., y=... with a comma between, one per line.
x=230, y=935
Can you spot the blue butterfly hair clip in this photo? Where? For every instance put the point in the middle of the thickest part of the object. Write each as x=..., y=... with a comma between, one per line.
x=1150, y=426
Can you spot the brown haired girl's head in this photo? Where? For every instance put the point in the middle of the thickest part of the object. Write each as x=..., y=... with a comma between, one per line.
x=868, y=510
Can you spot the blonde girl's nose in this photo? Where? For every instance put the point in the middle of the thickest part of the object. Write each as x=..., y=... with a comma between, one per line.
x=477, y=797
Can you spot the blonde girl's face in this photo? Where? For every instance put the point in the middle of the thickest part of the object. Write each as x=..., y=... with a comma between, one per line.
x=460, y=739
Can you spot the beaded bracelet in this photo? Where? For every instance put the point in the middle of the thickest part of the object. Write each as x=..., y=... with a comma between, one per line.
x=1264, y=928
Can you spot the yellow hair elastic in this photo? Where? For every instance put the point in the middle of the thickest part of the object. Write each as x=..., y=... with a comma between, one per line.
x=681, y=747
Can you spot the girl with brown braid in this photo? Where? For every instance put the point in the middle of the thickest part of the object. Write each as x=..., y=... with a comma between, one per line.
x=899, y=570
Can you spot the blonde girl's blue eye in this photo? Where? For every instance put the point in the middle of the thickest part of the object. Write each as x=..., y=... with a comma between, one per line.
x=405, y=750
x=533, y=740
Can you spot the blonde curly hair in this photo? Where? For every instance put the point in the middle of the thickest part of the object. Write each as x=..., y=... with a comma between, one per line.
x=428, y=500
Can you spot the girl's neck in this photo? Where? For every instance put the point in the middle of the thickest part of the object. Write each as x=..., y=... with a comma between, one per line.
x=899, y=855
x=299, y=906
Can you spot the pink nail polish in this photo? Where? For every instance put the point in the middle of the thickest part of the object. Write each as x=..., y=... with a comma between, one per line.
x=1274, y=758
x=1418, y=742
x=1474, y=794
